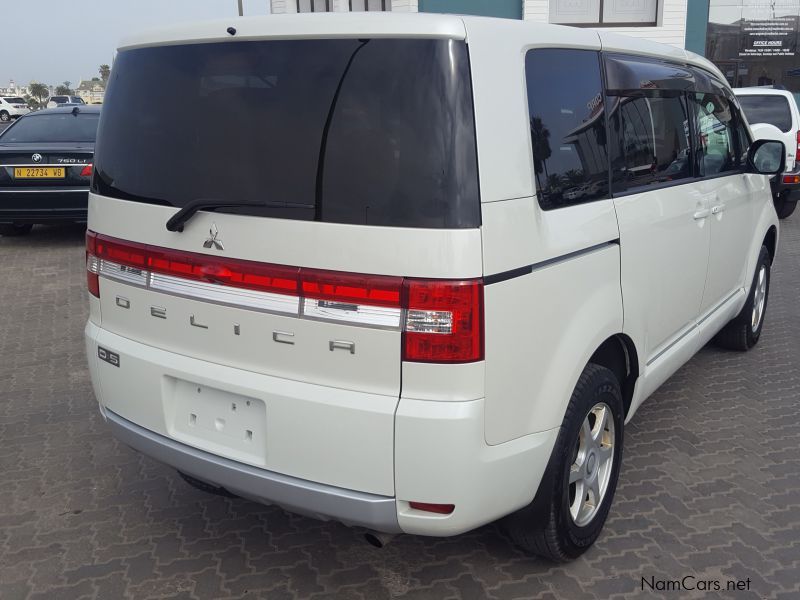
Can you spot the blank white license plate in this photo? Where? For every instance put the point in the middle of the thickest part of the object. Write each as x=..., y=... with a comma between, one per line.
x=217, y=421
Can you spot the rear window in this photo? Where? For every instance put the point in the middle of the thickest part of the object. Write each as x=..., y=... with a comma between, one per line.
x=77, y=100
x=58, y=99
x=64, y=127
x=14, y=100
x=368, y=132
x=767, y=109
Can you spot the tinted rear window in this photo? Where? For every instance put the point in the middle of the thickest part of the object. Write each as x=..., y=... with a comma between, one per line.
x=374, y=132
x=63, y=127
x=767, y=109
x=14, y=100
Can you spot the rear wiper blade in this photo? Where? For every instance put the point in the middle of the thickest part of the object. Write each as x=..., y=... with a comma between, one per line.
x=177, y=221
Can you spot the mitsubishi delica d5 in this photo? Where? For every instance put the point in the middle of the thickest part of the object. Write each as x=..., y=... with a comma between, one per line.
x=415, y=272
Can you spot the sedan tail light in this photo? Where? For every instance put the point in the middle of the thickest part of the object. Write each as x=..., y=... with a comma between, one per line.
x=87, y=170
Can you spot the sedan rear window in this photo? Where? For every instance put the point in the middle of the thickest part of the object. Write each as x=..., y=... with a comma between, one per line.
x=357, y=131
x=61, y=127
x=767, y=109
x=14, y=100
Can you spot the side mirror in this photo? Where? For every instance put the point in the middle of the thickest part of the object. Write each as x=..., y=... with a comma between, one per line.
x=767, y=157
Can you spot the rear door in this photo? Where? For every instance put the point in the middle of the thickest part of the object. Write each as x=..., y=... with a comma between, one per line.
x=355, y=164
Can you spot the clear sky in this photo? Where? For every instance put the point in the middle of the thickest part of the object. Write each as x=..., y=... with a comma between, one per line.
x=67, y=40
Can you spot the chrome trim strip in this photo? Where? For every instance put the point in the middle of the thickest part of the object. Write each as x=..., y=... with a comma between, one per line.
x=223, y=294
x=299, y=495
x=123, y=273
x=374, y=316
x=671, y=345
x=44, y=190
x=719, y=306
x=38, y=165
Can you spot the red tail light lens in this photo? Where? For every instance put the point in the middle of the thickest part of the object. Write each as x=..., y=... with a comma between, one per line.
x=346, y=288
x=87, y=171
x=441, y=509
x=797, y=152
x=441, y=320
x=791, y=179
x=92, y=264
x=444, y=321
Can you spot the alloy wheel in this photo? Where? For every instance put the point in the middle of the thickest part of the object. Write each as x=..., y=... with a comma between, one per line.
x=759, y=298
x=592, y=464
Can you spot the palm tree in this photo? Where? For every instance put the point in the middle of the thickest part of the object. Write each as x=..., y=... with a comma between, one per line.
x=105, y=72
x=39, y=91
x=540, y=137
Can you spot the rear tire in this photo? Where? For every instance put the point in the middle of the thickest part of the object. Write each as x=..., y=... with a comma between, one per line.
x=576, y=492
x=14, y=230
x=784, y=208
x=4, y=116
x=743, y=332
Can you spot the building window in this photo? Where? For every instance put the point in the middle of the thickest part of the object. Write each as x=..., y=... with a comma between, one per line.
x=305, y=6
x=366, y=5
x=314, y=5
x=604, y=12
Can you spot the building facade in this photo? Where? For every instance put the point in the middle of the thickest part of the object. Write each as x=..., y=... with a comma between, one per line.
x=660, y=20
x=753, y=42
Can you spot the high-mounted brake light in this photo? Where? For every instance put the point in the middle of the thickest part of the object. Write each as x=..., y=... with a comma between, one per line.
x=444, y=320
x=441, y=320
x=87, y=171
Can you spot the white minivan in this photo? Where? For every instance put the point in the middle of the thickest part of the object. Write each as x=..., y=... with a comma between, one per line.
x=368, y=291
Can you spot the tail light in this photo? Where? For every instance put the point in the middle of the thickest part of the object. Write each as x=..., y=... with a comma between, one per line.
x=444, y=321
x=87, y=170
x=92, y=264
x=797, y=151
x=791, y=179
x=441, y=320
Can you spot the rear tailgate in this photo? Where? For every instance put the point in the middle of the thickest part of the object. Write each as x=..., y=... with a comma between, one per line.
x=358, y=190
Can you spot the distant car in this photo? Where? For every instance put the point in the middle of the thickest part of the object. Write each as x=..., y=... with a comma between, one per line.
x=45, y=167
x=777, y=108
x=12, y=107
x=56, y=101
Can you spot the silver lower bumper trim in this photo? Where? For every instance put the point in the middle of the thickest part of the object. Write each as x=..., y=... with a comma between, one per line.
x=295, y=495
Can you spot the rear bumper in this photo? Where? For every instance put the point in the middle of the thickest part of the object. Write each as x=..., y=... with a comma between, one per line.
x=296, y=495
x=435, y=450
x=43, y=205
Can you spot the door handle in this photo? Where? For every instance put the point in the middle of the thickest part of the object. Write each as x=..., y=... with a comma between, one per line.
x=701, y=214
x=719, y=208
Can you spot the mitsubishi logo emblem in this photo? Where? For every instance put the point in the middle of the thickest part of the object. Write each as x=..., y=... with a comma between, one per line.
x=37, y=158
x=214, y=239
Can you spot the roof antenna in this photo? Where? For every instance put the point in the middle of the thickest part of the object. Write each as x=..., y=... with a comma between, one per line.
x=75, y=110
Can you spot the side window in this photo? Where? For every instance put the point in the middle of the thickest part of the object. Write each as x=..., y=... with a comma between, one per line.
x=715, y=142
x=567, y=121
x=649, y=139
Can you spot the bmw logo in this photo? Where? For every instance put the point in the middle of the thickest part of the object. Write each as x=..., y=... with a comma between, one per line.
x=37, y=158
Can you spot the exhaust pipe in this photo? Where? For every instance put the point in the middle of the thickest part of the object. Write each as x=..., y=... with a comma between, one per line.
x=378, y=539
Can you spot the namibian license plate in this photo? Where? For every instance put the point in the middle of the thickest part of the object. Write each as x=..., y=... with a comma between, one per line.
x=39, y=173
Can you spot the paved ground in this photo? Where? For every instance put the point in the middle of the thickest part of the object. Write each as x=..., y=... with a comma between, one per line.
x=710, y=487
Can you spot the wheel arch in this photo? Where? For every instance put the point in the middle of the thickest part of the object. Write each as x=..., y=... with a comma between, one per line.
x=618, y=354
